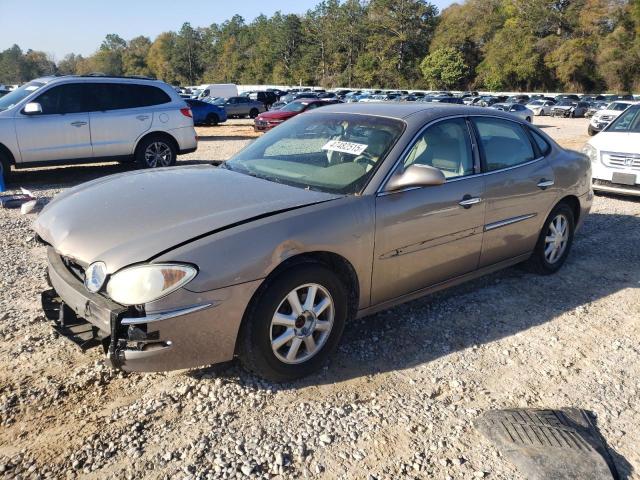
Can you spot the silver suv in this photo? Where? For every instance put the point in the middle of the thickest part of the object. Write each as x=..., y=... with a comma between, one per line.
x=82, y=119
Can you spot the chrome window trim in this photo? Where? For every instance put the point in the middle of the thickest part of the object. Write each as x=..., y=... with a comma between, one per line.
x=380, y=192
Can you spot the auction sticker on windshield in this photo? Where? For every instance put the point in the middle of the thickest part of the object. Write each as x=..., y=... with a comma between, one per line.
x=345, y=147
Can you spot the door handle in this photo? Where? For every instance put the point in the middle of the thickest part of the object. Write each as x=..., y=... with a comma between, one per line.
x=544, y=183
x=468, y=201
x=78, y=124
x=142, y=117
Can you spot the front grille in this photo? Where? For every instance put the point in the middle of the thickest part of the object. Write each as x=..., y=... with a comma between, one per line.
x=606, y=118
x=75, y=268
x=618, y=160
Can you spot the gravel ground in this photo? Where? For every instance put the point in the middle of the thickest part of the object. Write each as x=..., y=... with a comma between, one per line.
x=397, y=401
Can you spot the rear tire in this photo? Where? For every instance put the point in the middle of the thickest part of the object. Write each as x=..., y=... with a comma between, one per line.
x=554, y=242
x=212, y=119
x=274, y=340
x=156, y=151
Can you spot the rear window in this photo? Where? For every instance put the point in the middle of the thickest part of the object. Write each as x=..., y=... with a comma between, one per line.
x=117, y=96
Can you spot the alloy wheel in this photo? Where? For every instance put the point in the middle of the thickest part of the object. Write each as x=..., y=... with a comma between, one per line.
x=555, y=243
x=158, y=154
x=302, y=323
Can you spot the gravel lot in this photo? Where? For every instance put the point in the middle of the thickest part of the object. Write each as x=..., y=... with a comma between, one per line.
x=397, y=401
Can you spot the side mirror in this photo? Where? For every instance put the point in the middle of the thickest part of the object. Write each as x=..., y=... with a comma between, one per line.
x=32, y=108
x=415, y=176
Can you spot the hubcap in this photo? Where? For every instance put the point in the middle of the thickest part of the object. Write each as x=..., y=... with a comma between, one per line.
x=301, y=324
x=158, y=154
x=556, y=239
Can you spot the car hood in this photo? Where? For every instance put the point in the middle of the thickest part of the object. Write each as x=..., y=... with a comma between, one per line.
x=617, y=142
x=132, y=217
x=276, y=115
x=563, y=107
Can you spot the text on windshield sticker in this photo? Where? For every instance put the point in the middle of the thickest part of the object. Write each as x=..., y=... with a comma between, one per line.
x=345, y=147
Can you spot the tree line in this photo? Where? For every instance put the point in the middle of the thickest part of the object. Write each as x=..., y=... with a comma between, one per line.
x=571, y=45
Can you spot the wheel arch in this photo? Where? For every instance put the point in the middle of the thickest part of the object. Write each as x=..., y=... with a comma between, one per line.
x=574, y=204
x=157, y=133
x=4, y=151
x=335, y=262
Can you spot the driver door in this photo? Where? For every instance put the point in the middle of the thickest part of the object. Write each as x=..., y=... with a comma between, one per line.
x=61, y=131
x=427, y=235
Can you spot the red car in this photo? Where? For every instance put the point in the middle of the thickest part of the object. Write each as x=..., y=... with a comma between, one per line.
x=267, y=120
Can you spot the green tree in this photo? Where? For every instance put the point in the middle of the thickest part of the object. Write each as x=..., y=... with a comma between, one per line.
x=444, y=68
x=159, y=58
x=134, y=57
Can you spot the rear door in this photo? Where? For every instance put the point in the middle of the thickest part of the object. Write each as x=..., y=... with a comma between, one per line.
x=518, y=189
x=61, y=131
x=126, y=113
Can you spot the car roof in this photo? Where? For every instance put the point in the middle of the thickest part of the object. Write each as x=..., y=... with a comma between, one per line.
x=420, y=112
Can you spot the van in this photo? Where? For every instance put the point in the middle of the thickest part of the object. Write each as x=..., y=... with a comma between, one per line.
x=214, y=90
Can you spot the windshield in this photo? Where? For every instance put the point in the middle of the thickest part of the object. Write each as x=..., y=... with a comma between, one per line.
x=293, y=107
x=536, y=102
x=219, y=101
x=335, y=153
x=618, y=107
x=628, y=121
x=19, y=94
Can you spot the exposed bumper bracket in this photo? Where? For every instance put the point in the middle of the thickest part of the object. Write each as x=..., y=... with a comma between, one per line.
x=66, y=322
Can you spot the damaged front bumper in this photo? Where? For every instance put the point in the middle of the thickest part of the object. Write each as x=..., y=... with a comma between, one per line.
x=152, y=338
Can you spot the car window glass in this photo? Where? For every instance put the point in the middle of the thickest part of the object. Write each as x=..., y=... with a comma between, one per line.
x=328, y=152
x=628, y=121
x=117, y=96
x=445, y=146
x=504, y=143
x=68, y=98
x=543, y=145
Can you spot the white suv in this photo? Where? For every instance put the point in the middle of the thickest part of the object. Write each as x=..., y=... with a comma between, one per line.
x=82, y=119
x=615, y=154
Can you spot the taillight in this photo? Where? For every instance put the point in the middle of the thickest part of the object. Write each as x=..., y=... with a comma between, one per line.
x=186, y=112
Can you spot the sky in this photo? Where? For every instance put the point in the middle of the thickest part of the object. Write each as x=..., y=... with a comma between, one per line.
x=59, y=27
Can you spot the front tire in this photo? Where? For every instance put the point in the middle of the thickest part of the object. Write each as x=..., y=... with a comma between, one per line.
x=253, y=113
x=294, y=323
x=5, y=170
x=591, y=131
x=529, y=119
x=554, y=242
x=156, y=151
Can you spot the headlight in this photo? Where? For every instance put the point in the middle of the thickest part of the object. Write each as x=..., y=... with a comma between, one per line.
x=145, y=283
x=591, y=152
x=95, y=276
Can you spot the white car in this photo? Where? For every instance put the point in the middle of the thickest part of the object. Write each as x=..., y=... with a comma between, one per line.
x=540, y=107
x=615, y=154
x=604, y=117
